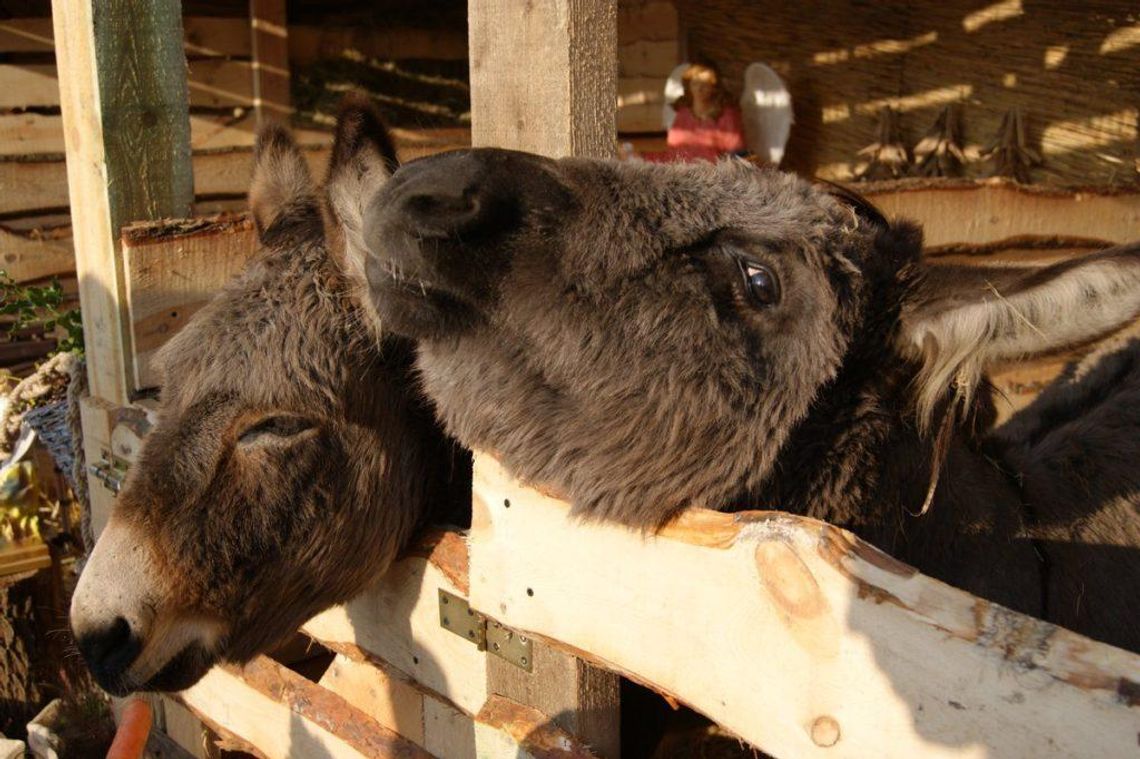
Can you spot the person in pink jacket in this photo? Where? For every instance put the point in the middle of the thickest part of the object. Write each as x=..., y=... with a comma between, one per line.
x=708, y=125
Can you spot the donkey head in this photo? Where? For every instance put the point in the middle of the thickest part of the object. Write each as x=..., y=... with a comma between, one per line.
x=645, y=338
x=291, y=458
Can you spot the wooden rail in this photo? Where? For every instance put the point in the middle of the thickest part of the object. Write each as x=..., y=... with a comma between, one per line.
x=798, y=636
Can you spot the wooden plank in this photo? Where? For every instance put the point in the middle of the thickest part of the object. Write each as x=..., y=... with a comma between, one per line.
x=270, y=46
x=26, y=35
x=509, y=729
x=384, y=696
x=172, y=269
x=963, y=211
x=578, y=697
x=97, y=419
x=186, y=730
x=216, y=37
x=27, y=257
x=203, y=36
x=449, y=732
x=309, y=44
x=39, y=186
x=214, y=83
x=28, y=86
x=797, y=636
x=19, y=558
x=43, y=184
x=125, y=110
x=284, y=715
x=37, y=134
x=543, y=77
x=398, y=621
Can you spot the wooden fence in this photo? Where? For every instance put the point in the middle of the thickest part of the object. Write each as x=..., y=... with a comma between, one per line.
x=793, y=634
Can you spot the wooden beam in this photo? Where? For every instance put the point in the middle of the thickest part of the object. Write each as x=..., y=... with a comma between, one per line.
x=172, y=269
x=544, y=80
x=391, y=700
x=284, y=715
x=270, y=47
x=398, y=621
x=204, y=36
x=543, y=75
x=506, y=728
x=580, y=699
x=37, y=134
x=963, y=211
x=796, y=635
x=38, y=186
x=214, y=83
x=27, y=257
x=124, y=101
x=97, y=418
x=23, y=557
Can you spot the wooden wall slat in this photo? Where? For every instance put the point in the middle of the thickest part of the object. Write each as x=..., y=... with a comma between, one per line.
x=203, y=36
x=172, y=269
x=269, y=31
x=214, y=83
x=843, y=60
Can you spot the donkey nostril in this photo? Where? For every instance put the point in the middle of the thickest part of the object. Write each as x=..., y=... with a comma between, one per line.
x=110, y=651
x=444, y=211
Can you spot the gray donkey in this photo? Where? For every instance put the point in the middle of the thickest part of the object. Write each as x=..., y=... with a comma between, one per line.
x=649, y=338
x=292, y=457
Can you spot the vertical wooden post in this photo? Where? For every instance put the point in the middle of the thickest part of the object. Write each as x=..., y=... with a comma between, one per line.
x=125, y=105
x=270, y=31
x=544, y=75
x=544, y=79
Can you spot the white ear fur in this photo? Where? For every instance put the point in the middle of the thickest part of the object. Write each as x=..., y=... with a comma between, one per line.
x=280, y=176
x=958, y=335
x=363, y=158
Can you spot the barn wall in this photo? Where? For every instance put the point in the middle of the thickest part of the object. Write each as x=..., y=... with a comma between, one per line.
x=1073, y=69
x=648, y=50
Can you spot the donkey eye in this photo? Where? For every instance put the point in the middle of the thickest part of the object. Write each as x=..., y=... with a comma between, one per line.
x=761, y=283
x=280, y=427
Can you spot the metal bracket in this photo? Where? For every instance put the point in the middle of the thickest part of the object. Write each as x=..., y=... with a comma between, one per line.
x=110, y=471
x=456, y=615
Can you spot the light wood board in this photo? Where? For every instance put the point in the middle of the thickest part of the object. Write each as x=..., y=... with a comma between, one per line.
x=961, y=211
x=286, y=716
x=398, y=621
x=172, y=269
x=797, y=636
x=543, y=75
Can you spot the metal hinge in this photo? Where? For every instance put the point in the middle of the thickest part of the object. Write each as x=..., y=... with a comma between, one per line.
x=456, y=615
x=127, y=435
x=110, y=471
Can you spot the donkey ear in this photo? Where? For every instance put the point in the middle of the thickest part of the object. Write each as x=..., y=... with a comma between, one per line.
x=963, y=320
x=280, y=177
x=363, y=157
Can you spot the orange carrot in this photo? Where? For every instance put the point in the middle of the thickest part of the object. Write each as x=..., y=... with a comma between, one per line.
x=134, y=728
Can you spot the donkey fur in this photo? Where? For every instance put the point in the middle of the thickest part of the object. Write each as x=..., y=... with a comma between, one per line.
x=588, y=323
x=292, y=456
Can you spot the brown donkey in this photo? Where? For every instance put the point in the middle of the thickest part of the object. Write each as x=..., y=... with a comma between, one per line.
x=646, y=338
x=291, y=459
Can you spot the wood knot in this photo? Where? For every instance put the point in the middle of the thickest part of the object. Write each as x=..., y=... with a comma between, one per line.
x=825, y=731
